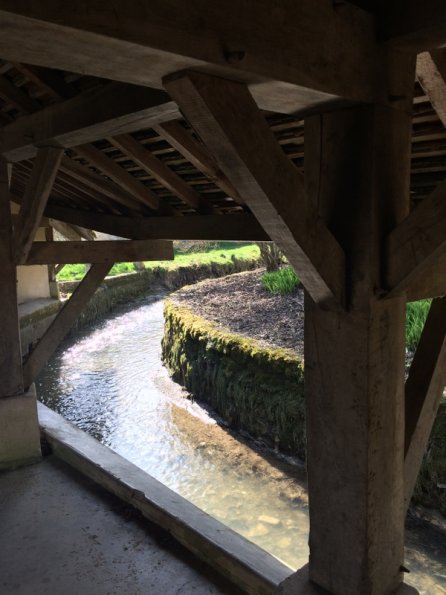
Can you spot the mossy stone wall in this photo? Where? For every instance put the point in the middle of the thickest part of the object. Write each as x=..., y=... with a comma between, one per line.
x=262, y=391
x=254, y=389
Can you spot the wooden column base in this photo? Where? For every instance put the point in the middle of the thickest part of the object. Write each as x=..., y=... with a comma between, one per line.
x=300, y=584
x=19, y=430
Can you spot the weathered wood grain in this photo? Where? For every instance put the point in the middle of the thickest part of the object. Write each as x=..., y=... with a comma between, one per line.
x=236, y=133
x=108, y=251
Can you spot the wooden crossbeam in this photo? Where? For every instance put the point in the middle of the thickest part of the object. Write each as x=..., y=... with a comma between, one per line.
x=34, y=200
x=424, y=389
x=99, y=112
x=413, y=25
x=242, y=227
x=155, y=167
x=145, y=42
x=10, y=351
x=431, y=74
x=50, y=81
x=183, y=141
x=430, y=283
x=416, y=244
x=236, y=133
x=99, y=252
x=63, y=322
x=121, y=177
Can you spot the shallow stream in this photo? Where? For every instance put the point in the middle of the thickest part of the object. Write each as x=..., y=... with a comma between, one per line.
x=110, y=382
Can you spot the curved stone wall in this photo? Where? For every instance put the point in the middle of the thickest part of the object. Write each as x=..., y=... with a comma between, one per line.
x=254, y=389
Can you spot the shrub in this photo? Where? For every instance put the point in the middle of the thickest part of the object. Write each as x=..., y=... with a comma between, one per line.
x=416, y=314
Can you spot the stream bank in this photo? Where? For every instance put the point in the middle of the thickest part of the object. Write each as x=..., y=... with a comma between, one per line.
x=247, y=362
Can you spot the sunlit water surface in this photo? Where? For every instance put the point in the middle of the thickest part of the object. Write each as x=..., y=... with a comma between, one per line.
x=110, y=382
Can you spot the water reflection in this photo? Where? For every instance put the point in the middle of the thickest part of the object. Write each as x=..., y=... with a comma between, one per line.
x=110, y=382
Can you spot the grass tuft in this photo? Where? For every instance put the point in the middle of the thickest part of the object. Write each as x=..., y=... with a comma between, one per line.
x=283, y=281
x=416, y=314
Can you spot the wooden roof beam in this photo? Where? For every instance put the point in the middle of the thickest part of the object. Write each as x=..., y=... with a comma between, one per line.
x=121, y=177
x=100, y=184
x=237, y=135
x=292, y=55
x=413, y=25
x=156, y=168
x=71, y=232
x=417, y=244
x=111, y=109
x=241, y=227
x=183, y=141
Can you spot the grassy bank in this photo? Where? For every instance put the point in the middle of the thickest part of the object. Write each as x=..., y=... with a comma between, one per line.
x=225, y=252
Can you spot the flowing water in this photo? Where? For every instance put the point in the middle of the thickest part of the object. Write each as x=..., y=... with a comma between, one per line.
x=110, y=382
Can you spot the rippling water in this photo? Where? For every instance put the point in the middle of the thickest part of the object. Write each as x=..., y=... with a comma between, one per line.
x=110, y=382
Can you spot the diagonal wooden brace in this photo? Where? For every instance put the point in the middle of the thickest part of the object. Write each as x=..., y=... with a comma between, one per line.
x=424, y=389
x=63, y=322
x=235, y=132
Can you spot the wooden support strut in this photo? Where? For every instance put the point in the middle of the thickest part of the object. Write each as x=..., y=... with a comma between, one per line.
x=416, y=244
x=236, y=133
x=34, y=201
x=63, y=322
x=424, y=389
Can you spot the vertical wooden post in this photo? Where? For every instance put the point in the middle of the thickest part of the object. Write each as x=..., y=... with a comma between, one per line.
x=11, y=381
x=19, y=429
x=357, y=170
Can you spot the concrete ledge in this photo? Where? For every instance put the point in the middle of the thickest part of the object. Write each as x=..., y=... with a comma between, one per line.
x=242, y=562
x=19, y=430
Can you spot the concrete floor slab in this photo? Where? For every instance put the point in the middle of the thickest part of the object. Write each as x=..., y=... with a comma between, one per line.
x=60, y=534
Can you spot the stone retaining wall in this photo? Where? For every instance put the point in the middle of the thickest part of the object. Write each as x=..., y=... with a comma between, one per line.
x=261, y=391
x=254, y=389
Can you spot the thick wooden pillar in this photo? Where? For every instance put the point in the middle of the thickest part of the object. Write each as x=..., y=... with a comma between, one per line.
x=19, y=430
x=357, y=170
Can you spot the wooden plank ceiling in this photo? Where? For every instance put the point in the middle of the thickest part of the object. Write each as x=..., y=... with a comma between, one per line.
x=165, y=170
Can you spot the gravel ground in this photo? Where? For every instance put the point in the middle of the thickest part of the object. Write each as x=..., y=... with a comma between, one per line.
x=239, y=303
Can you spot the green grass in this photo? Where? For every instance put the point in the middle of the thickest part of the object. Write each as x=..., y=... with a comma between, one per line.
x=416, y=313
x=283, y=281
x=224, y=253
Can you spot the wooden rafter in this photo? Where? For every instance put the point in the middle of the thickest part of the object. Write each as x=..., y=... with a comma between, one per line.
x=63, y=322
x=18, y=98
x=347, y=64
x=414, y=25
x=431, y=74
x=237, y=135
x=424, y=389
x=34, y=200
x=85, y=176
x=155, y=167
x=111, y=109
x=417, y=243
x=122, y=178
x=179, y=138
x=99, y=252
x=71, y=232
x=241, y=227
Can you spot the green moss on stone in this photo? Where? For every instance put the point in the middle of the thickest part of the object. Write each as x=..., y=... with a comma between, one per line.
x=253, y=388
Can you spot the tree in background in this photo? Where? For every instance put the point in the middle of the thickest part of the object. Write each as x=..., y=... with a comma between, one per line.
x=271, y=255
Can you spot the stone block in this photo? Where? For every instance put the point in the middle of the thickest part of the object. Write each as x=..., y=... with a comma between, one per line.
x=19, y=430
